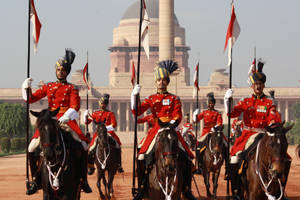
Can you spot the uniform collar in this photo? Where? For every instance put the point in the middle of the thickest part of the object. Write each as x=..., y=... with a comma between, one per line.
x=163, y=92
x=258, y=97
x=62, y=81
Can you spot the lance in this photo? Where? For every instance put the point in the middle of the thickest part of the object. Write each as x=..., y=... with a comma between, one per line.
x=133, y=189
x=197, y=107
x=87, y=94
x=27, y=91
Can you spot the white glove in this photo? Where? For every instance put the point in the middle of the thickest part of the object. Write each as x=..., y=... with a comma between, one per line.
x=63, y=119
x=70, y=114
x=26, y=84
x=228, y=95
x=195, y=113
x=84, y=145
x=85, y=116
x=110, y=128
x=136, y=90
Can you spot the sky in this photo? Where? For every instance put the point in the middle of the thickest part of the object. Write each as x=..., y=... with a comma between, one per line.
x=273, y=26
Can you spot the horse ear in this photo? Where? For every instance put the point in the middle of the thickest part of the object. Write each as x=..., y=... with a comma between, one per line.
x=289, y=127
x=269, y=129
x=36, y=114
x=54, y=112
x=160, y=123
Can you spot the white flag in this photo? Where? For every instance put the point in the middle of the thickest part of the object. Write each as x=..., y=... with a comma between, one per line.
x=145, y=30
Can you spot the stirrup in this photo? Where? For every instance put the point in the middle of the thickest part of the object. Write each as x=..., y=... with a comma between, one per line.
x=32, y=188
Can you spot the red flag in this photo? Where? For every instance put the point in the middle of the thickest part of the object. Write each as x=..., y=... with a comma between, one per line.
x=196, y=80
x=36, y=25
x=132, y=74
x=85, y=75
x=233, y=33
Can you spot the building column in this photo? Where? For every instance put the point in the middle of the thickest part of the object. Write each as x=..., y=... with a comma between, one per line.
x=119, y=116
x=127, y=116
x=278, y=106
x=286, y=111
x=191, y=111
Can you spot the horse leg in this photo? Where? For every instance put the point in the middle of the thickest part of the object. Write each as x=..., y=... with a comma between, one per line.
x=99, y=177
x=206, y=181
x=110, y=183
x=215, y=181
x=105, y=185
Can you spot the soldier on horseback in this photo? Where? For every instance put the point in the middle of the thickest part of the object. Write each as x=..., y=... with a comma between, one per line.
x=211, y=118
x=258, y=111
x=187, y=129
x=166, y=107
x=63, y=95
x=107, y=117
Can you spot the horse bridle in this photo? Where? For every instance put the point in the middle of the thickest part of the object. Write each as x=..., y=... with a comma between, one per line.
x=165, y=190
x=103, y=164
x=262, y=183
x=213, y=153
x=53, y=177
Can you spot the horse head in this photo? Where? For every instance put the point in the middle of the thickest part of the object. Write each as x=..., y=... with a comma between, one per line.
x=216, y=139
x=167, y=146
x=276, y=143
x=47, y=125
x=102, y=133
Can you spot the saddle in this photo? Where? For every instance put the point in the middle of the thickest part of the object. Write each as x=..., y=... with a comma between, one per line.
x=248, y=154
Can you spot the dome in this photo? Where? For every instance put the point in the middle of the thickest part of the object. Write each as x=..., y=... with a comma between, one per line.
x=133, y=11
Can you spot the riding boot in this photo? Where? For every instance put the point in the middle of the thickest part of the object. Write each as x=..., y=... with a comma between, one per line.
x=91, y=161
x=235, y=182
x=35, y=184
x=226, y=156
x=142, y=182
x=187, y=181
x=84, y=184
x=120, y=169
x=200, y=162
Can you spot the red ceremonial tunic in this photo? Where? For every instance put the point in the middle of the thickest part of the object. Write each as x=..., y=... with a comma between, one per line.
x=150, y=122
x=210, y=118
x=166, y=107
x=63, y=96
x=110, y=119
x=257, y=115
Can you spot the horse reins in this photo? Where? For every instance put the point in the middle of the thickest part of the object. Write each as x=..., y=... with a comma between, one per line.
x=53, y=179
x=264, y=186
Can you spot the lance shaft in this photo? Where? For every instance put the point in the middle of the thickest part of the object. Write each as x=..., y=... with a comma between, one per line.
x=87, y=94
x=137, y=101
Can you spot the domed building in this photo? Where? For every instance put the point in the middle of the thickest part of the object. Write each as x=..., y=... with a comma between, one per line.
x=124, y=49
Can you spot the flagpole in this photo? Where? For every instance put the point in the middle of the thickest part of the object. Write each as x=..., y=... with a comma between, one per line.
x=255, y=56
x=27, y=91
x=228, y=131
x=87, y=95
x=197, y=107
x=133, y=189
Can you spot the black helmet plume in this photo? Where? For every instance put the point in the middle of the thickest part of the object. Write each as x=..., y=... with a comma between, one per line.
x=211, y=97
x=105, y=99
x=259, y=75
x=67, y=61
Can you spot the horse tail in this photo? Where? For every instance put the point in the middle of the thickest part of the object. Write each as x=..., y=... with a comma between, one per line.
x=298, y=151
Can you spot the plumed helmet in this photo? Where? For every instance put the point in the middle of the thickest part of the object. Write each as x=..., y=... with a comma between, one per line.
x=258, y=75
x=187, y=115
x=104, y=99
x=164, y=69
x=67, y=61
x=211, y=97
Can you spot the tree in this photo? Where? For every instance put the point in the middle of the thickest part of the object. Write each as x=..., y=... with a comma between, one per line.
x=12, y=120
x=296, y=110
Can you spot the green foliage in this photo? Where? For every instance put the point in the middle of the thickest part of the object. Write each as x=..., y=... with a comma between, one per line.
x=5, y=144
x=18, y=144
x=293, y=135
x=12, y=120
x=296, y=110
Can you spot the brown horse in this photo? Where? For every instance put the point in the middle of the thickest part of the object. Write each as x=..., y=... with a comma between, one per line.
x=62, y=155
x=106, y=160
x=268, y=168
x=165, y=178
x=213, y=158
